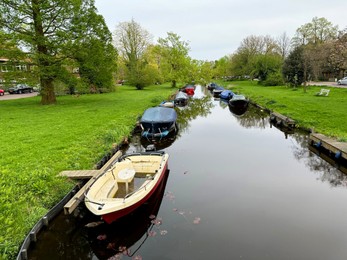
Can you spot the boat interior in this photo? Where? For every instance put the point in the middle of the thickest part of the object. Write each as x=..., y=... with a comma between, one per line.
x=125, y=177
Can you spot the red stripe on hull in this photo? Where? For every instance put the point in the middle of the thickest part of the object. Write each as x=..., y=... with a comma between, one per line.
x=113, y=216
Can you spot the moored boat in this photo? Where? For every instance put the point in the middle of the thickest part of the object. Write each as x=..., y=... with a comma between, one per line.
x=211, y=86
x=238, y=101
x=167, y=104
x=226, y=94
x=217, y=90
x=130, y=232
x=238, y=104
x=181, y=99
x=110, y=196
x=189, y=89
x=158, y=122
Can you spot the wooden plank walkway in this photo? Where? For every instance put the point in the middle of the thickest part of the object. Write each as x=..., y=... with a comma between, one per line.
x=282, y=120
x=80, y=174
x=338, y=148
x=71, y=205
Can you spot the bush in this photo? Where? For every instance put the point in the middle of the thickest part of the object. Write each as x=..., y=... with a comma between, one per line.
x=274, y=79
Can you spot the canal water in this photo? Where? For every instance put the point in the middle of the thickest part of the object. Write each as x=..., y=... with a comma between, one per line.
x=237, y=188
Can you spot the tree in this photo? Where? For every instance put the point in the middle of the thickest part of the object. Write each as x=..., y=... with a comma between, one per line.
x=47, y=29
x=283, y=42
x=94, y=52
x=336, y=55
x=266, y=65
x=175, y=59
x=319, y=30
x=296, y=68
x=222, y=67
x=131, y=40
x=17, y=65
x=243, y=61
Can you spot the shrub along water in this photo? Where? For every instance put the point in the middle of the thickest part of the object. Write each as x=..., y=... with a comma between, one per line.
x=38, y=142
x=323, y=114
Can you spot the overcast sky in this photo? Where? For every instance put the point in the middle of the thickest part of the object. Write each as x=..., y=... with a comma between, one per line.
x=215, y=28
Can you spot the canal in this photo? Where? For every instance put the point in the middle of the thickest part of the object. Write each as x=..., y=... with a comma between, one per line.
x=237, y=188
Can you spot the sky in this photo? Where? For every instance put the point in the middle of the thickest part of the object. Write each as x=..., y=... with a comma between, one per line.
x=215, y=28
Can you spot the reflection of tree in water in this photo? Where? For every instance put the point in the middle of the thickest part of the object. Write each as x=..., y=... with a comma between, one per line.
x=254, y=117
x=327, y=168
x=196, y=107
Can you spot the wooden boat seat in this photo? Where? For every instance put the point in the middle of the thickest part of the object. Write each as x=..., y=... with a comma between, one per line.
x=108, y=190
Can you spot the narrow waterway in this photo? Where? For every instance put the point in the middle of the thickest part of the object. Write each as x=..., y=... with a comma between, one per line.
x=237, y=189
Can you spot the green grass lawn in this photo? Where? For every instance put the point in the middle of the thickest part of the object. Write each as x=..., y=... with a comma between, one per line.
x=326, y=115
x=38, y=142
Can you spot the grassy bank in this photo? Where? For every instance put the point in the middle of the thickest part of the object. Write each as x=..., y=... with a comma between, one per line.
x=326, y=115
x=37, y=142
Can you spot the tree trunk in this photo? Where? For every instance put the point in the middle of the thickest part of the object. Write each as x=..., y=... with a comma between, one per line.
x=47, y=92
x=44, y=65
x=173, y=83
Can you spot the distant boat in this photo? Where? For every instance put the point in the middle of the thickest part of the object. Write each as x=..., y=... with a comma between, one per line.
x=217, y=91
x=107, y=197
x=189, y=89
x=158, y=122
x=238, y=104
x=181, y=99
x=226, y=94
x=211, y=86
x=167, y=104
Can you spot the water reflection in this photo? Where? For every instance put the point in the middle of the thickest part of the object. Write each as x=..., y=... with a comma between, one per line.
x=128, y=234
x=197, y=107
x=328, y=169
x=158, y=143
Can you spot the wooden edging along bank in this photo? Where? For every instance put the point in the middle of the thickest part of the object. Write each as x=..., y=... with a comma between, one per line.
x=338, y=149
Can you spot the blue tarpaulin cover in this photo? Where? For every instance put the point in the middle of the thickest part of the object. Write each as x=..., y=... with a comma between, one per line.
x=226, y=94
x=159, y=114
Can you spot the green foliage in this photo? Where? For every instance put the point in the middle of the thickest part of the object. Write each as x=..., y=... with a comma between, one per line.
x=53, y=36
x=176, y=62
x=273, y=79
x=293, y=67
x=38, y=142
x=266, y=64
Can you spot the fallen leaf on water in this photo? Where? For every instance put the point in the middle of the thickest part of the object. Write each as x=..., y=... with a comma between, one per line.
x=163, y=232
x=94, y=224
x=152, y=233
x=101, y=237
x=197, y=220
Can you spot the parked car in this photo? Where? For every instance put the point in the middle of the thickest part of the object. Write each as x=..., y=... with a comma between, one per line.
x=342, y=81
x=20, y=88
x=2, y=92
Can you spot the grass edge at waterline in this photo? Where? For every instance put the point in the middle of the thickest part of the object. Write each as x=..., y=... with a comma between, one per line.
x=323, y=114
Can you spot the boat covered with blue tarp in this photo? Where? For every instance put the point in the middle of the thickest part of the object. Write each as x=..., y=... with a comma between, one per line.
x=158, y=122
x=226, y=94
